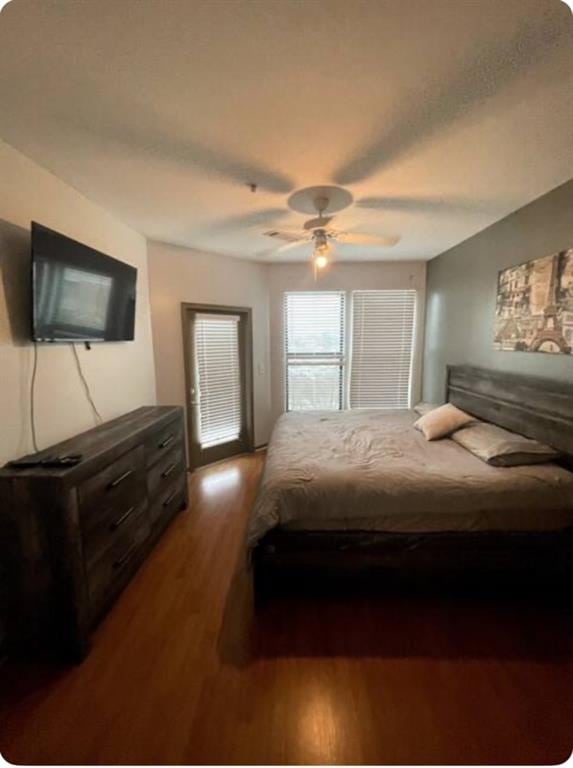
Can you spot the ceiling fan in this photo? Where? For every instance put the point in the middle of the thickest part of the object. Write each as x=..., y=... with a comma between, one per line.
x=318, y=230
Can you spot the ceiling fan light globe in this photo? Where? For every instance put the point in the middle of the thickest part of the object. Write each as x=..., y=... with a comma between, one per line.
x=320, y=261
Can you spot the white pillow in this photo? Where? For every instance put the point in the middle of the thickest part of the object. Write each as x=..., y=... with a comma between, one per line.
x=442, y=421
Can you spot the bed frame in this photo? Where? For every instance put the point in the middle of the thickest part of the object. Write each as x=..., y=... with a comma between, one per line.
x=535, y=407
x=531, y=406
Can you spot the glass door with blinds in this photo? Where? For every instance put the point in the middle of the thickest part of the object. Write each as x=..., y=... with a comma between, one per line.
x=219, y=382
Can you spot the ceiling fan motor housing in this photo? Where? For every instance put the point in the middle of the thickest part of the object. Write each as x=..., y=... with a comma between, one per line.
x=320, y=239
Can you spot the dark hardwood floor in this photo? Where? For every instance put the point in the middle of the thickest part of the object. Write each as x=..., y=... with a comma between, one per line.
x=182, y=671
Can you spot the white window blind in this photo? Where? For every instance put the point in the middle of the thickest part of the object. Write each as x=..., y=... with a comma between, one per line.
x=314, y=350
x=382, y=348
x=216, y=339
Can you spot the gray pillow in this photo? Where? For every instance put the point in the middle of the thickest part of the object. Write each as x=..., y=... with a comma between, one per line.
x=501, y=448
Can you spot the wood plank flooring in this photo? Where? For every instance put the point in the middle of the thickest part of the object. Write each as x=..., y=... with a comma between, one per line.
x=183, y=671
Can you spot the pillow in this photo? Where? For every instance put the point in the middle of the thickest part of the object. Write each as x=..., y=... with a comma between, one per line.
x=424, y=408
x=442, y=421
x=501, y=448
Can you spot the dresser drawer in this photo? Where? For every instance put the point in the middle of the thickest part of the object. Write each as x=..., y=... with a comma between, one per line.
x=112, y=490
x=167, y=502
x=165, y=470
x=108, y=572
x=111, y=526
x=163, y=441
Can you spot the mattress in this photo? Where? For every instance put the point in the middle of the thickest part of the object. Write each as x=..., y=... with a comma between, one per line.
x=370, y=470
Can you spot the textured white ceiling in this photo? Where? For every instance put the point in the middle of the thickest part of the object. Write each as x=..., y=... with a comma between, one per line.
x=441, y=117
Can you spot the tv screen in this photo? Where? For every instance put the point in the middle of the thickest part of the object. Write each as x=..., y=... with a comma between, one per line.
x=78, y=293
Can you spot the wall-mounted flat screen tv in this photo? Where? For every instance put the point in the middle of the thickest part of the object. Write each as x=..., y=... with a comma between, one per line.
x=78, y=293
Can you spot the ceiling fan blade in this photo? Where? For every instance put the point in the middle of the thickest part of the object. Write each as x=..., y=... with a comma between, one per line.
x=432, y=205
x=355, y=238
x=259, y=218
x=294, y=244
x=376, y=203
x=288, y=235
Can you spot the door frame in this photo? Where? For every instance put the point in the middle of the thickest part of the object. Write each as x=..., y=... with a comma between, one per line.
x=246, y=363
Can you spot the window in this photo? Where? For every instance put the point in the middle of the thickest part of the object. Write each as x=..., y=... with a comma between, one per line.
x=314, y=350
x=216, y=340
x=382, y=348
x=380, y=342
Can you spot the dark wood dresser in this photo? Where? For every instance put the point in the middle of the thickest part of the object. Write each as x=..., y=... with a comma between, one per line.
x=73, y=537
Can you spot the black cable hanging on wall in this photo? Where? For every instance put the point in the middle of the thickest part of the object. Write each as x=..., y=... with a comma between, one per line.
x=32, y=393
x=86, y=386
x=83, y=379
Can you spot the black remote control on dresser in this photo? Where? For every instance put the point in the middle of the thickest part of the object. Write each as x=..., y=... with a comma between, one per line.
x=46, y=462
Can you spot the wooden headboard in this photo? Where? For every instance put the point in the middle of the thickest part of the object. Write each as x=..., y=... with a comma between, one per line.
x=534, y=407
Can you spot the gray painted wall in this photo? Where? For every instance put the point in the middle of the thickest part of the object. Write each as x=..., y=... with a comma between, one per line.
x=461, y=292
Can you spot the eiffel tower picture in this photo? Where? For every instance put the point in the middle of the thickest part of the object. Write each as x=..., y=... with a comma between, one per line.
x=534, y=311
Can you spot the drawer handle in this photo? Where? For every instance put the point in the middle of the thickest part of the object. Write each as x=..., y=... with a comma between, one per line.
x=124, y=558
x=169, y=470
x=170, y=498
x=119, y=480
x=114, y=526
x=168, y=440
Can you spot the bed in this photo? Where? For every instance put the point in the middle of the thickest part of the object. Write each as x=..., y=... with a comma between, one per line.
x=362, y=492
